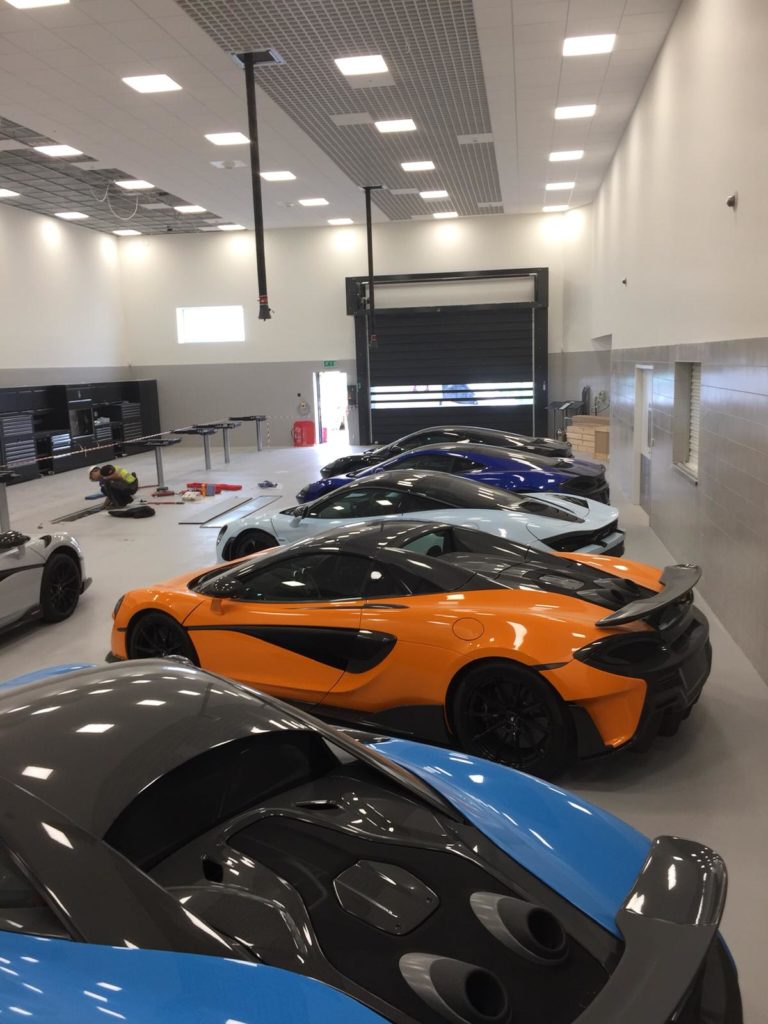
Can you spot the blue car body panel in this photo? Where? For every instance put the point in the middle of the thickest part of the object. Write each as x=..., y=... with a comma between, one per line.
x=54, y=981
x=510, y=471
x=584, y=853
x=43, y=673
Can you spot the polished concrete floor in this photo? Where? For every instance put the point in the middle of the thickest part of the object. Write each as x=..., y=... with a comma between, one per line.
x=709, y=782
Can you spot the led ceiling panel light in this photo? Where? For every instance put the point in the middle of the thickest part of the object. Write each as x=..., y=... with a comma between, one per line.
x=566, y=154
x=404, y=124
x=57, y=150
x=134, y=184
x=560, y=186
x=278, y=176
x=338, y=221
x=152, y=83
x=313, y=202
x=230, y=227
x=555, y=209
x=436, y=193
x=124, y=233
x=371, y=65
x=580, y=110
x=228, y=139
x=28, y=5
x=586, y=46
x=72, y=215
x=190, y=209
x=445, y=215
x=7, y=193
x=418, y=165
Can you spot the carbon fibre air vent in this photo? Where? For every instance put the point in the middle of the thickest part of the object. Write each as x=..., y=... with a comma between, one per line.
x=385, y=896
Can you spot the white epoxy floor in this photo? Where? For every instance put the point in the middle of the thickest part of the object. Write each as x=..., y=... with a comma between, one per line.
x=708, y=782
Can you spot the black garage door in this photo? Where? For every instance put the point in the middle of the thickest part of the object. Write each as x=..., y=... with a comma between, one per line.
x=456, y=365
x=483, y=364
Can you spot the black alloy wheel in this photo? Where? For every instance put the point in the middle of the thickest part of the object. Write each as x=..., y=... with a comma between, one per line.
x=249, y=542
x=507, y=713
x=156, y=635
x=60, y=587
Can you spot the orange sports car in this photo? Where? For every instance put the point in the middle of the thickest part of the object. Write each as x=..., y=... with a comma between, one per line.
x=445, y=634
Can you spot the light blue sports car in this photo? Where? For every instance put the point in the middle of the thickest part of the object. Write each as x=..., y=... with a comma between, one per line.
x=548, y=522
x=179, y=849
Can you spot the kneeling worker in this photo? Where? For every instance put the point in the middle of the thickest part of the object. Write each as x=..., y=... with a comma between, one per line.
x=117, y=485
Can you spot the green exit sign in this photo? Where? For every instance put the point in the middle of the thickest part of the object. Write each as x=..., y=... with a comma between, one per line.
x=329, y=362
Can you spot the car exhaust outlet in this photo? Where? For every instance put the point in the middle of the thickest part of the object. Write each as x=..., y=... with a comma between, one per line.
x=461, y=993
x=529, y=930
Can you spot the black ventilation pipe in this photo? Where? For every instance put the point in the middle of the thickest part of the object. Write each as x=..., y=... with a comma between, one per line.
x=248, y=62
x=371, y=305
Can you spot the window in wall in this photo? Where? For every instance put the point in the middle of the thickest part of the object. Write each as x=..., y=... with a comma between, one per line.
x=685, y=447
x=199, y=325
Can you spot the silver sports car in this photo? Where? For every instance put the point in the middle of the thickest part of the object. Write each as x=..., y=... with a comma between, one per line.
x=549, y=522
x=42, y=576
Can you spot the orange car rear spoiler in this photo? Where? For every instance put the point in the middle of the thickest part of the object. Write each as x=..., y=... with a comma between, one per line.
x=677, y=580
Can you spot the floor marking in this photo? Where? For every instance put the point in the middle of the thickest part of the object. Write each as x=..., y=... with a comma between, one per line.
x=239, y=512
x=209, y=512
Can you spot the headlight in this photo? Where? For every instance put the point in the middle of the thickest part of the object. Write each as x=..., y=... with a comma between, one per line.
x=116, y=609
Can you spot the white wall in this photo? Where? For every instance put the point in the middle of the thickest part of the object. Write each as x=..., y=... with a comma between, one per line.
x=306, y=275
x=59, y=294
x=696, y=270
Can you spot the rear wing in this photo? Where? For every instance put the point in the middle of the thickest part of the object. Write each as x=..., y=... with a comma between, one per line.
x=669, y=921
x=677, y=580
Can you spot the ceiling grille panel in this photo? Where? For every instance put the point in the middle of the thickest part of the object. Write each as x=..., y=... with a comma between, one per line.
x=433, y=55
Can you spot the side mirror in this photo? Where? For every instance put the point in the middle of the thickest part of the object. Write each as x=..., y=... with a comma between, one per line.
x=300, y=511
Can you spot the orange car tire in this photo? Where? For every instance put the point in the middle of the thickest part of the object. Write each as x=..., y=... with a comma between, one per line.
x=157, y=635
x=540, y=737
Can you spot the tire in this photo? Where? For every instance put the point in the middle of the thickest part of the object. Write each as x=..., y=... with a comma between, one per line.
x=505, y=712
x=60, y=587
x=157, y=635
x=249, y=542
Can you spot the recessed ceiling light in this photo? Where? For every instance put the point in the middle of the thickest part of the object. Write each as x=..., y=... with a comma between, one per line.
x=152, y=83
x=582, y=110
x=418, y=165
x=34, y=772
x=338, y=221
x=125, y=233
x=445, y=215
x=25, y=5
x=134, y=184
x=566, y=154
x=231, y=227
x=228, y=139
x=436, y=193
x=58, y=150
x=190, y=209
x=6, y=193
x=313, y=202
x=405, y=124
x=584, y=46
x=278, y=176
x=372, y=65
x=555, y=209
x=560, y=186
x=72, y=215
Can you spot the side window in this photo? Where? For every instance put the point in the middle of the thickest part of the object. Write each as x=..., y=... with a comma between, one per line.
x=394, y=581
x=22, y=909
x=434, y=544
x=320, y=577
x=435, y=461
x=351, y=505
x=421, y=503
x=467, y=466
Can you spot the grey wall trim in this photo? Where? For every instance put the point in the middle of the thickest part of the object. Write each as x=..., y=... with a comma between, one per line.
x=211, y=391
x=64, y=375
x=719, y=523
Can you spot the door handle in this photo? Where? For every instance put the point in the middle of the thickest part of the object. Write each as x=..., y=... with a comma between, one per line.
x=384, y=604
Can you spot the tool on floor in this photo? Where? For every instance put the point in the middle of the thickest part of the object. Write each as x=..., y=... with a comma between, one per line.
x=267, y=483
x=94, y=497
x=163, y=492
x=217, y=488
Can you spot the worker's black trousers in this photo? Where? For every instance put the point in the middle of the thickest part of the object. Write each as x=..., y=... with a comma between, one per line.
x=118, y=492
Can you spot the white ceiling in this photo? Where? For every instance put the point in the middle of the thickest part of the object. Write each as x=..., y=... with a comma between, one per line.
x=61, y=70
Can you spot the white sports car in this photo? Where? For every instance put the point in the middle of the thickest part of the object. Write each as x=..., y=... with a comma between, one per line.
x=44, y=577
x=549, y=522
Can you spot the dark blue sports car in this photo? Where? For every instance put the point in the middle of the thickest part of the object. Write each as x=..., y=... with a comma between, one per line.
x=499, y=467
x=175, y=848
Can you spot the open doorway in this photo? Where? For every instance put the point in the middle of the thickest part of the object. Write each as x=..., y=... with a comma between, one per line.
x=643, y=444
x=331, y=406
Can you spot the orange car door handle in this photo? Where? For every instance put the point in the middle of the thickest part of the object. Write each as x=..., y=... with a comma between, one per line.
x=383, y=604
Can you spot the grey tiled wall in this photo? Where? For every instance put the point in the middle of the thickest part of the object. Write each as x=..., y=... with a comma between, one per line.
x=721, y=522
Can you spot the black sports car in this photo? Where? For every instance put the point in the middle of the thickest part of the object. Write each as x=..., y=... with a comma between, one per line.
x=177, y=849
x=446, y=435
